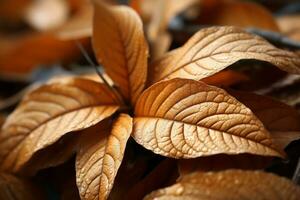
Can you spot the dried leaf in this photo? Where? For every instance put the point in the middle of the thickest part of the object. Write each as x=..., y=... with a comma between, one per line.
x=230, y=184
x=184, y=118
x=288, y=23
x=100, y=157
x=225, y=78
x=281, y=120
x=47, y=14
x=48, y=113
x=213, y=49
x=236, y=13
x=13, y=188
x=24, y=53
x=119, y=44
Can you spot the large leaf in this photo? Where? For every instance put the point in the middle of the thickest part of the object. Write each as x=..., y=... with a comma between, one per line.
x=14, y=188
x=213, y=49
x=48, y=113
x=119, y=44
x=100, y=157
x=281, y=120
x=231, y=184
x=184, y=118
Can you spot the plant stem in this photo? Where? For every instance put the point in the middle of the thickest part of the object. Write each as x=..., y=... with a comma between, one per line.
x=89, y=60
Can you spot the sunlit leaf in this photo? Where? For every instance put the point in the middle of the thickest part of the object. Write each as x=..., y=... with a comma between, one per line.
x=48, y=113
x=120, y=46
x=213, y=49
x=100, y=157
x=183, y=118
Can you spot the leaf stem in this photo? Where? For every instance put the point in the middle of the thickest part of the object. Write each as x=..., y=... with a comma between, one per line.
x=89, y=60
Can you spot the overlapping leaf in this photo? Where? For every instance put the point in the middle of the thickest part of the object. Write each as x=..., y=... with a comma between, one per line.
x=48, y=113
x=280, y=119
x=231, y=184
x=100, y=157
x=213, y=49
x=183, y=118
x=120, y=46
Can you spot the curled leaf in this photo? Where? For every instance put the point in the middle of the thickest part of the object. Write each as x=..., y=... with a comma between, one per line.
x=120, y=46
x=225, y=78
x=213, y=49
x=183, y=118
x=100, y=157
x=48, y=113
x=230, y=184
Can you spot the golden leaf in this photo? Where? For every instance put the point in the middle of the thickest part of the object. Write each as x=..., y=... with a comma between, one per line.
x=48, y=113
x=100, y=157
x=119, y=45
x=183, y=118
x=222, y=161
x=14, y=188
x=213, y=49
x=230, y=184
x=281, y=120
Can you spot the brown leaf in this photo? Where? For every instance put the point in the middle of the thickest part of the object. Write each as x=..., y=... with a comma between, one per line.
x=230, y=184
x=48, y=113
x=24, y=53
x=14, y=188
x=281, y=120
x=213, y=49
x=236, y=13
x=288, y=23
x=119, y=45
x=100, y=157
x=183, y=118
x=225, y=78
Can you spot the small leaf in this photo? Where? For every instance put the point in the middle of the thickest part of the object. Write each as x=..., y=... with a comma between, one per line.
x=183, y=118
x=48, y=113
x=230, y=184
x=120, y=46
x=213, y=49
x=281, y=120
x=100, y=157
x=14, y=188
